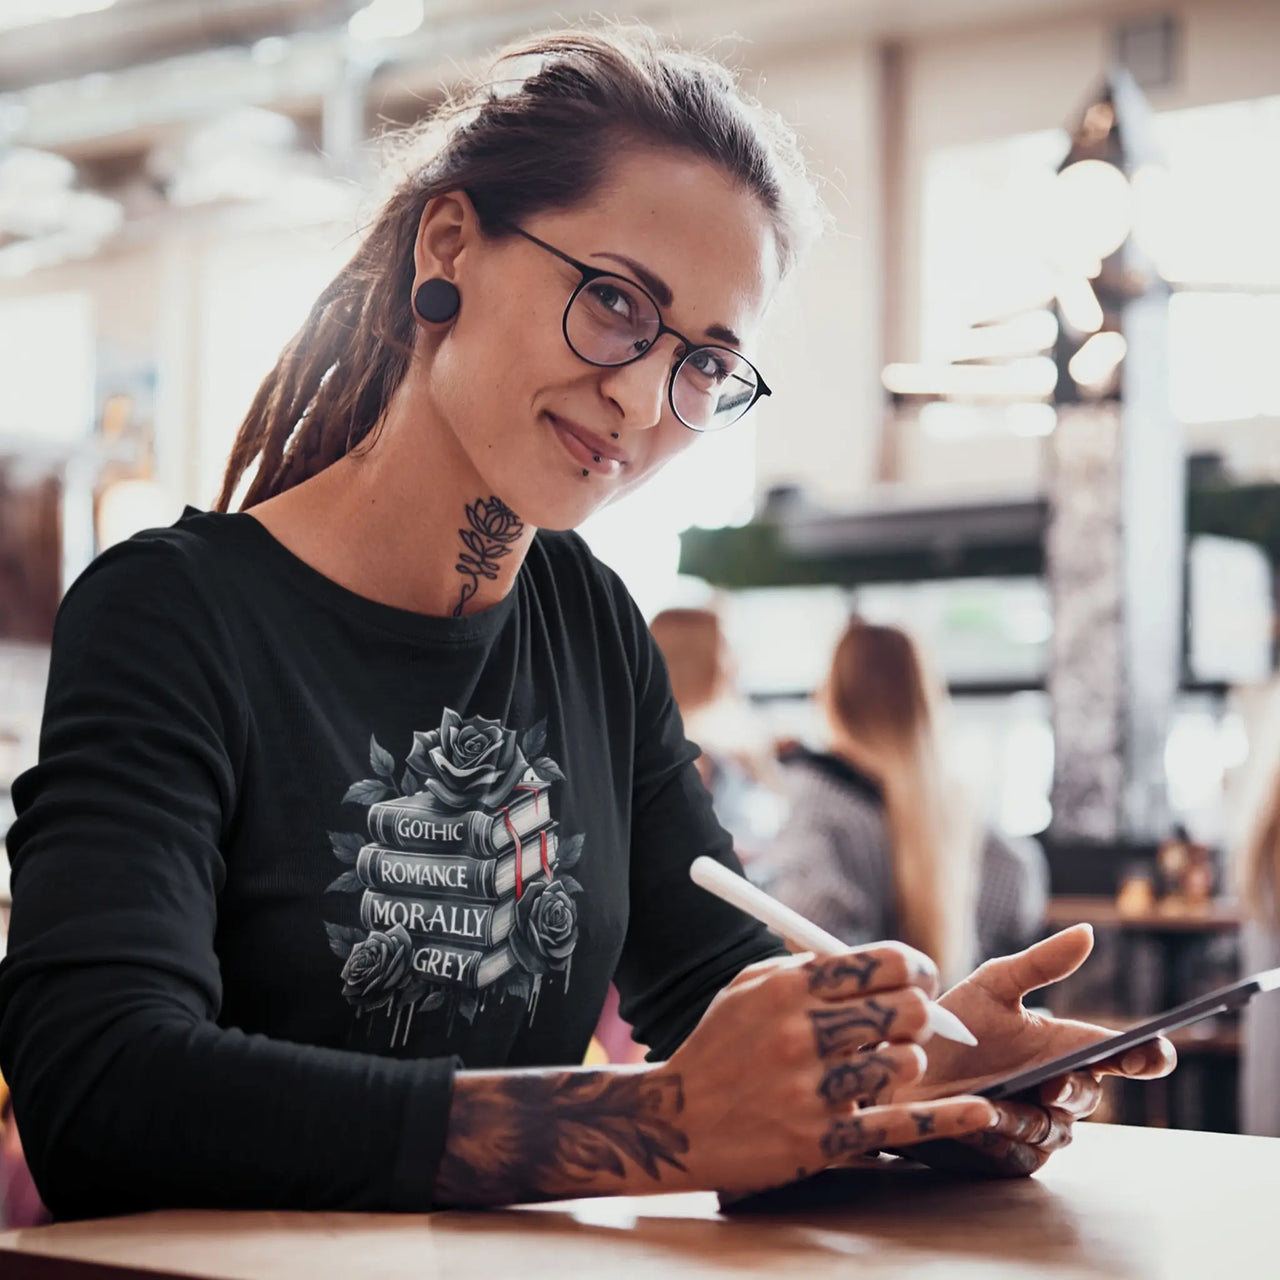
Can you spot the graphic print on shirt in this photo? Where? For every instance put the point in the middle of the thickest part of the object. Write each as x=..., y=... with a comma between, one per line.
x=461, y=872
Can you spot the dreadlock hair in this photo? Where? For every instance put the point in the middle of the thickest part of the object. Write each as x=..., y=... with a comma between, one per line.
x=538, y=133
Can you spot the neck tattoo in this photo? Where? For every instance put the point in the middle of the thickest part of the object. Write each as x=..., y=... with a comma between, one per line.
x=493, y=526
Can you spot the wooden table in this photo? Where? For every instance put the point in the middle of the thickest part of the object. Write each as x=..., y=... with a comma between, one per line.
x=1121, y=1204
x=1064, y=910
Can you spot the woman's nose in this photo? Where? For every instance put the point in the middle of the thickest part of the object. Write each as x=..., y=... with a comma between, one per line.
x=639, y=389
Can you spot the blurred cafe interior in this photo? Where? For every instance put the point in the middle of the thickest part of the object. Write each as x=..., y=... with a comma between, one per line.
x=1026, y=405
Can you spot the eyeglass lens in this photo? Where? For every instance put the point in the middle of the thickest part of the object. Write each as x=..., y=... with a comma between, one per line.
x=612, y=322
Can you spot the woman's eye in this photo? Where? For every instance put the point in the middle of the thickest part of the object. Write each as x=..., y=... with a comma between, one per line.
x=612, y=300
x=709, y=365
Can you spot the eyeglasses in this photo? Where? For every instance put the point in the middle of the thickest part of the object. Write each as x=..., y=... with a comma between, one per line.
x=610, y=321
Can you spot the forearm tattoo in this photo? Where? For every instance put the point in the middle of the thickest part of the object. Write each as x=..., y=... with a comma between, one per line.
x=492, y=527
x=867, y=1022
x=851, y=1136
x=861, y=1081
x=544, y=1135
x=830, y=975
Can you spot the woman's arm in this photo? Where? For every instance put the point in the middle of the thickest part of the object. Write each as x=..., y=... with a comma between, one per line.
x=765, y=1090
x=128, y=1093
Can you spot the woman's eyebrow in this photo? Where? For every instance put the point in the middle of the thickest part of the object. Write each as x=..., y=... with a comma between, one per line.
x=662, y=292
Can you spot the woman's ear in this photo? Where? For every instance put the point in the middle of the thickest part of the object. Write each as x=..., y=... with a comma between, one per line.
x=448, y=225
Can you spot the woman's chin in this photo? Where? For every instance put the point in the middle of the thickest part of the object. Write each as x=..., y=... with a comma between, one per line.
x=564, y=509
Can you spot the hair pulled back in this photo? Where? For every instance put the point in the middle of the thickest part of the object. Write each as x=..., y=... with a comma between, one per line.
x=537, y=133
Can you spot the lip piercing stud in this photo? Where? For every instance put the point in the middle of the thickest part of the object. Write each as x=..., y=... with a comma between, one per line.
x=584, y=471
x=597, y=457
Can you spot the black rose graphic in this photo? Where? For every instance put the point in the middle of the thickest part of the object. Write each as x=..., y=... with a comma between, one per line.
x=378, y=968
x=546, y=929
x=468, y=764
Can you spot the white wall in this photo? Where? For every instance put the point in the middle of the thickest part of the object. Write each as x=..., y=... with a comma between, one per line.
x=822, y=354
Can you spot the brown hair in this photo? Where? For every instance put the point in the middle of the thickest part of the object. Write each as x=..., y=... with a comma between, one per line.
x=692, y=645
x=885, y=705
x=537, y=135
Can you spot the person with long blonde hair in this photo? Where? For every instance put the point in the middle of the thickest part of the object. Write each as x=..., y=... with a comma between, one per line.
x=881, y=840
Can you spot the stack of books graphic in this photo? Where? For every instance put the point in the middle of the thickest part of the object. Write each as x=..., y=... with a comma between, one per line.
x=452, y=879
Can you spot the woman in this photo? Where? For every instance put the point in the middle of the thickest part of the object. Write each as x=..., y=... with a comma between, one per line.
x=879, y=843
x=735, y=764
x=352, y=801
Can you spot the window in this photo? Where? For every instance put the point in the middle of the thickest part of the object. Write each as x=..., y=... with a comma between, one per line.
x=1208, y=220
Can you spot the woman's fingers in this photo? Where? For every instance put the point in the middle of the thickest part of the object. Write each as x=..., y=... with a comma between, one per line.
x=881, y=967
x=1045, y=1128
x=1009, y=978
x=1147, y=1061
x=877, y=1128
x=1078, y=1094
x=841, y=1029
x=869, y=1077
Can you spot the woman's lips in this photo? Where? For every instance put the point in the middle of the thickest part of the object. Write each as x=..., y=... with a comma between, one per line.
x=582, y=451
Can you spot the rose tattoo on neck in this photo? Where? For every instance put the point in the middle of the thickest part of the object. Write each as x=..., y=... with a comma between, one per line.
x=493, y=527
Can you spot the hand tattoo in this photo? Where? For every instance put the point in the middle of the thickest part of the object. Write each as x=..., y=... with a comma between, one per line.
x=924, y=1122
x=849, y=1137
x=831, y=974
x=862, y=1081
x=493, y=526
x=543, y=1135
x=866, y=1022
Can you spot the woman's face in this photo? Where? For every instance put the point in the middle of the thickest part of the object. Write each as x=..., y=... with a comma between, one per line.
x=530, y=415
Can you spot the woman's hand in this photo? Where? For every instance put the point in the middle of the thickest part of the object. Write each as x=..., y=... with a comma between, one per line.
x=1011, y=1039
x=777, y=1080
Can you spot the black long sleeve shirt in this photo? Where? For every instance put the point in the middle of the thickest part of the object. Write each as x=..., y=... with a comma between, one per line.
x=290, y=856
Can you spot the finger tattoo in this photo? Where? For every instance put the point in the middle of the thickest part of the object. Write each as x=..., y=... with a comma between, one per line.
x=850, y=1136
x=924, y=1122
x=861, y=1081
x=831, y=974
x=867, y=1022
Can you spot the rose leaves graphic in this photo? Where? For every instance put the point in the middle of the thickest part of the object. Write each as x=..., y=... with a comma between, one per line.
x=569, y=853
x=343, y=938
x=381, y=760
x=370, y=791
x=534, y=741
x=346, y=846
x=546, y=927
x=347, y=882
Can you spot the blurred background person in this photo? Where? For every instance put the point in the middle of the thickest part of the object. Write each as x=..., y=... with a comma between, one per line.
x=737, y=764
x=880, y=841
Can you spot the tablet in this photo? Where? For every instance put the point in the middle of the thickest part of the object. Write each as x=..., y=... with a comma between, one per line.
x=1215, y=1002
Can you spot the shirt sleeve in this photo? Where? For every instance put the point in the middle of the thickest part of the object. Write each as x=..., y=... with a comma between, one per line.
x=128, y=1093
x=683, y=944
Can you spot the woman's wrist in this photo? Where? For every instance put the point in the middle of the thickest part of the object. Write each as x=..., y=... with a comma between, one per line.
x=551, y=1134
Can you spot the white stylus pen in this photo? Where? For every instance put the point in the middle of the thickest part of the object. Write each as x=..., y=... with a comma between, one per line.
x=716, y=878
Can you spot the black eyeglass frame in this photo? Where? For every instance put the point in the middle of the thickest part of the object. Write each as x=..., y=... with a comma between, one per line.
x=590, y=274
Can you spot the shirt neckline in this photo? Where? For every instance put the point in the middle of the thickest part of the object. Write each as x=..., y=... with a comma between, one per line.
x=261, y=544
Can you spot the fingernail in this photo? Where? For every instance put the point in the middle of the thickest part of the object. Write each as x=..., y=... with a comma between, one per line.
x=1133, y=1062
x=1064, y=1093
